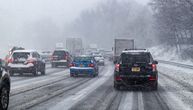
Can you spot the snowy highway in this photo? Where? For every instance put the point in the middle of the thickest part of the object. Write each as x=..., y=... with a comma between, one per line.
x=58, y=91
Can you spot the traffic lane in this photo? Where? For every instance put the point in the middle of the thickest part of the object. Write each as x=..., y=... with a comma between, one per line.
x=26, y=76
x=171, y=95
x=77, y=92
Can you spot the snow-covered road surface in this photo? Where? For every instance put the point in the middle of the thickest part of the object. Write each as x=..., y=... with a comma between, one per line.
x=58, y=91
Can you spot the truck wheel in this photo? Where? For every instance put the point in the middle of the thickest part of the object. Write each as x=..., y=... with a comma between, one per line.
x=43, y=71
x=154, y=87
x=53, y=65
x=11, y=73
x=4, y=98
x=35, y=72
x=117, y=87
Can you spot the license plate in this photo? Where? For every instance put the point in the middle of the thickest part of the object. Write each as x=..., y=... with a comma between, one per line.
x=81, y=65
x=135, y=69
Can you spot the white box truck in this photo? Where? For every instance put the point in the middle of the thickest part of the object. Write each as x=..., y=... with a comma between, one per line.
x=120, y=45
x=74, y=46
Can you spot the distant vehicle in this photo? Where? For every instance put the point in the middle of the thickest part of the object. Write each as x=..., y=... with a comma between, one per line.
x=61, y=57
x=46, y=56
x=136, y=68
x=100, y=60
x=26, y=61
x=74, y=46
x=4, y=87
x=120, y=45
x=10, y=53
x=84, y=65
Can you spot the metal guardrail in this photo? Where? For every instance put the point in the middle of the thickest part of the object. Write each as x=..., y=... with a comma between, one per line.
x=176, y=64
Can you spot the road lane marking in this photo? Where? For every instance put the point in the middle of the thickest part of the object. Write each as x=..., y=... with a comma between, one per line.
x=126, y=102
x=73, y=99
x=140, y=101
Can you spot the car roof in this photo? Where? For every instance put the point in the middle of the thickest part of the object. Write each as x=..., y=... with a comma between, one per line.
x=61, y=50
x=24, y=51
x=135, y=51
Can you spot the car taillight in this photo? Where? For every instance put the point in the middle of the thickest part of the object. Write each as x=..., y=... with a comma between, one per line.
x=117, y=78
x=154, y=67
x=91, y=65
x=72, y=65
x=10, y=60
x=31, y=61
x=152, y=78
x=117, y=66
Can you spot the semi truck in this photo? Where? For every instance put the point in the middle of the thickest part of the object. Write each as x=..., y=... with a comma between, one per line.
x=74, y=46
x=120, y=45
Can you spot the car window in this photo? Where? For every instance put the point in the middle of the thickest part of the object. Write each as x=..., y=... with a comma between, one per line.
x=18, y=55
x=59, y=53
x=135, y=58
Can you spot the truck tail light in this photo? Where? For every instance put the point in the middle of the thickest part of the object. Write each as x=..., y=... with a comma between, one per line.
x=117, y=66
x=154, y=67
x=117, y=78
x=10, y=60
x=72, y=65
x=31, y=61
x=152, y=78
x=91, y=65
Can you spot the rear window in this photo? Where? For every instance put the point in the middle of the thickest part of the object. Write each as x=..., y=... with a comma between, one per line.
x=135, y=58
x=59, y=53
x=18, y=55
x=83, y=59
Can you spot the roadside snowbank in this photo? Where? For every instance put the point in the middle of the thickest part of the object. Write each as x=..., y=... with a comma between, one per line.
x=168, y=53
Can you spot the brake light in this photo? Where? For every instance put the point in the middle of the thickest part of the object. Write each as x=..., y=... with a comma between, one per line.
x=72, y=65
x=91, y=65
x=154, y=67
x=117, y=78
x=10, y=60
x=30, y=61
x=117, y=66
x=152, y=78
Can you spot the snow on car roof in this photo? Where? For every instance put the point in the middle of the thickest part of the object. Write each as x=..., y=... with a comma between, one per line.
x=25, y=51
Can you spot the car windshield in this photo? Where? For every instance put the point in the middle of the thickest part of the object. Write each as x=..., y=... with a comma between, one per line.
x=135, y=58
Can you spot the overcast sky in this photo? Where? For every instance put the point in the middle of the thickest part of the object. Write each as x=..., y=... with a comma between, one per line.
x=14, y=14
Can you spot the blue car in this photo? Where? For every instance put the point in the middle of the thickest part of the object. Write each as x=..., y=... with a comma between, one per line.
x=84, y=65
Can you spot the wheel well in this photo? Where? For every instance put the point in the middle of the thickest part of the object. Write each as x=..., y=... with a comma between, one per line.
x=6, y=82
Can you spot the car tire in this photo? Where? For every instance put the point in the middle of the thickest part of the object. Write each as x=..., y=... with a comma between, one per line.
x=11, y=73
x=43, y=71
x=154, y=87
x=117, y=87
x=35, y=72
x=53, y=65
x=4, y=98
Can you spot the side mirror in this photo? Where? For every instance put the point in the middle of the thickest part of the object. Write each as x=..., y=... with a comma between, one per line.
x=155, y=62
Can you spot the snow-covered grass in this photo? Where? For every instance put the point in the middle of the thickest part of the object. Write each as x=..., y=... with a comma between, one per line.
x=168, y=53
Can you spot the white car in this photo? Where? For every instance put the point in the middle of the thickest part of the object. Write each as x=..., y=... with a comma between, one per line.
x=100, y=59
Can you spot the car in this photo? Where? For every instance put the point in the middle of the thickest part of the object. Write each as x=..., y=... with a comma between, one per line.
x=61, y=57
x=26, y=61
x=82, y=65
x=46, y=56
x=4, y=87
x=136, y=68
x=100, y=60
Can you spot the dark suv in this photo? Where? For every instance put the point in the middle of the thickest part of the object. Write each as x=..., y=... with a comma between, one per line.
x=26, y=61
x=4, y=88
x=61, y=57
x=136, y=68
